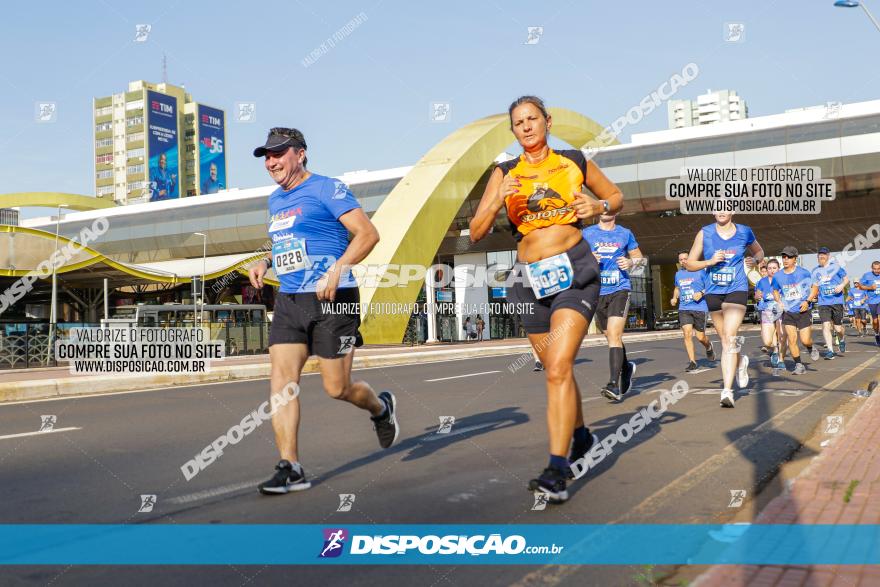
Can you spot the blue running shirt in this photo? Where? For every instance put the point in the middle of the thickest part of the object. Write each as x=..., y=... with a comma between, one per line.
x=611, y=245
x=305, y=231
x=729, y=275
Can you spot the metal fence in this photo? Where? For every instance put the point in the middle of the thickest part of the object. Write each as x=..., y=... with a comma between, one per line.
x=26, y=345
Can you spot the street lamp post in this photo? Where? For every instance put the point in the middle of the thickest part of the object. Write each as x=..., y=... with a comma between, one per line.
x=53, y=318
x=855, y=3
x=202, y=286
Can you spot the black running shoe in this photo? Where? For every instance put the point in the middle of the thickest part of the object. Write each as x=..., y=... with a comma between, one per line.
x=386, y=426
x=691, y=367
x=552, y=483
x=626, y=377
x=611, y=392
x=710, y=352
x=577, y=453
x=539, y=366
x=287, y=478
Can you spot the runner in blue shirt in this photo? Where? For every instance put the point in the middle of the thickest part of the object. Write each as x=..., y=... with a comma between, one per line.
x=798, y=293
x=870, y=282
x=831, y=280
x=860, y=309
x=767, y=296
x=618, y=252
x=688, y=295
x=310, y=217
x=726, y=251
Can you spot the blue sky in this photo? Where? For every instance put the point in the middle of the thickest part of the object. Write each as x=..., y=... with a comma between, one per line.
x=365, y=103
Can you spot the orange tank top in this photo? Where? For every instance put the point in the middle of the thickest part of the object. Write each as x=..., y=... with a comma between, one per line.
x=546, y=192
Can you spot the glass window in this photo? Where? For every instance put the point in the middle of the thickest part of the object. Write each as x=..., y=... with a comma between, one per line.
x=861, y=126
x=814, y=132
x=709, y=146
x=760, y=138
x=614, y=158
x=662, y=153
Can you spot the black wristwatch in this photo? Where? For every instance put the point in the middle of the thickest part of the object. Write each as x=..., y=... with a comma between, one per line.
x=268, y=261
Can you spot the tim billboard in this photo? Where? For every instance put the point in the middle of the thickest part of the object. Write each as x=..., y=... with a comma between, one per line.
x=162, y=146
x=212, y=153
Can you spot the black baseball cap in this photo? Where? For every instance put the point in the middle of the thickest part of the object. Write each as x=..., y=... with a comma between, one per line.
x=790, y=251
x=281, y=139
x=824, y=250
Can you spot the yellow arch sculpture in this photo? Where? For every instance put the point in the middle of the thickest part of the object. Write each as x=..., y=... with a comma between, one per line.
x=415, y=216
x=53, y=200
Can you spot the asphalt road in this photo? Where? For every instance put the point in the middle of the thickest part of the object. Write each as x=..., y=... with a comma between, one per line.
x=108, y=450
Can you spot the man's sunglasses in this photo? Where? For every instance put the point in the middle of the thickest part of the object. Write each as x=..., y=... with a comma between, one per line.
x=789, y=256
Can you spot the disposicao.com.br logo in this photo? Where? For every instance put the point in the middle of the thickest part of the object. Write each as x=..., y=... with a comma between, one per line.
x=431, y=544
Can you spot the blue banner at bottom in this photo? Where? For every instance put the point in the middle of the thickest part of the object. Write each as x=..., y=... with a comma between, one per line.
x=523, y=544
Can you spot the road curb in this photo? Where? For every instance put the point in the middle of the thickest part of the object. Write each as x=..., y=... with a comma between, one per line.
x=96, y=384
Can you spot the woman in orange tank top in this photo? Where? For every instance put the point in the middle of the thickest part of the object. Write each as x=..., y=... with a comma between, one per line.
x=556, y=273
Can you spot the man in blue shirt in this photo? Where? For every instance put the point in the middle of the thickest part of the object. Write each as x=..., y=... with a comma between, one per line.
x=870, y=283
x=859, y=300
x=688, y=294
x=617, y=251
x=831, y=280
x=162, y=182
x=798, y=292
x=212, y=185
x=310, y=218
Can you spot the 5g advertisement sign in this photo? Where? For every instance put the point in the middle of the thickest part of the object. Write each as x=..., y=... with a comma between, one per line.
x=212, y=151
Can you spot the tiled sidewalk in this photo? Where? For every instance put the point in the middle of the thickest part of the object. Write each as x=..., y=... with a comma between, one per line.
x=817, y=497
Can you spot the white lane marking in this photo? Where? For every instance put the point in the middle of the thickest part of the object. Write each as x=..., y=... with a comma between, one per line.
x=199, y=495
x=39, y=432
x=460, y=376
x=628, y=353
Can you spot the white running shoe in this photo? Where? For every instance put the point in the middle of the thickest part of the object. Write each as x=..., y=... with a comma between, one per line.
x=742, y=372
x=727, y=398
x=814, y=354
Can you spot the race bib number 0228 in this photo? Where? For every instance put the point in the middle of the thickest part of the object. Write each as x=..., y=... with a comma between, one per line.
x=289, y=256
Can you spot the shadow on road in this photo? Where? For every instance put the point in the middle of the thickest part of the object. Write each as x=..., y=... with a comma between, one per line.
x=431, y=441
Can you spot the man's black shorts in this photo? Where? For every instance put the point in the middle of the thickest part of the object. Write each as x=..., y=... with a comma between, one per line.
x=300, y=319
x=860, y=313
x=694, y=317
x=583, y=295
x=612, y=305
x=831, y=313
x=714, y=301
x=799, y=320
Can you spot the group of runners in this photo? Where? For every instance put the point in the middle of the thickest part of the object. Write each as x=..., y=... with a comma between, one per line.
x=569, y=272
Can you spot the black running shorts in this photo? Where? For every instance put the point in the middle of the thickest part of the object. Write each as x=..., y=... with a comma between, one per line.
x=301, y=319
x=831, y=313
x=582, y=296
x=694, y=317
x=612, y=305
x=799, y=320
x=714, y=301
